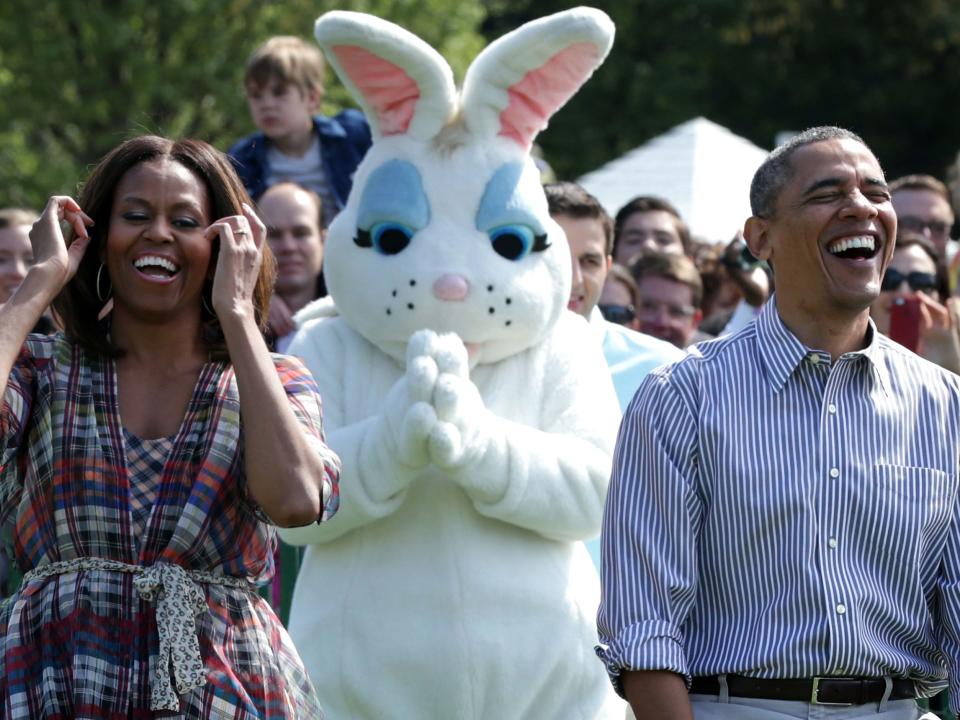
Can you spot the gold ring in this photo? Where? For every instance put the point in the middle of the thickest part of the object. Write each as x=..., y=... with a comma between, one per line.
x=241, y=231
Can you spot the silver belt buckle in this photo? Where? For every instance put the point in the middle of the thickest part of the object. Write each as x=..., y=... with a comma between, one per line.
x=815, y=693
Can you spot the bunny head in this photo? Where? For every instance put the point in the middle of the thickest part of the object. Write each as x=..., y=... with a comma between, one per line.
x=447, y=225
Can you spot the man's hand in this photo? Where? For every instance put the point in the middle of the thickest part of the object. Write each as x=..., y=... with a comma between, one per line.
x=280, y=318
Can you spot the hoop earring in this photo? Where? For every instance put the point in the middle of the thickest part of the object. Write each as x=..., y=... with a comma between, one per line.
x=101, y=296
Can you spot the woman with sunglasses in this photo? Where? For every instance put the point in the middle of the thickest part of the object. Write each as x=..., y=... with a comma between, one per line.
x=915, y=278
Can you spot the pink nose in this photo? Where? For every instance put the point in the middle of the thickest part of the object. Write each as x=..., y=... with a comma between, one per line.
x=451, y=287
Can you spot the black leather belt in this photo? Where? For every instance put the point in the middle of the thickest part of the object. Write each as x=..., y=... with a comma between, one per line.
x=818, y=691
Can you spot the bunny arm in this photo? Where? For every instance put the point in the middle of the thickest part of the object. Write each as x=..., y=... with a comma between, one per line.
x=550, y=479
x=376, y=480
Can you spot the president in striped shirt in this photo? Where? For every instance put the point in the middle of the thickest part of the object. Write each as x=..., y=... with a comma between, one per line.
x=782, y=528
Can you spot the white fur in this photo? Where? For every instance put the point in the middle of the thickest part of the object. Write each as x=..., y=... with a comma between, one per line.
x=507, y=60
x=360, y=280
x=451, y=583
x=458, y=593
x=420, y=61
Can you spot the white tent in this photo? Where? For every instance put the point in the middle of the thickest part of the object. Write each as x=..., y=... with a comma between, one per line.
x=702, y=168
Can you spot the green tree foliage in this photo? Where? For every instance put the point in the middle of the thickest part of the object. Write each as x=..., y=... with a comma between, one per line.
x=888, y=71
x=76, y=78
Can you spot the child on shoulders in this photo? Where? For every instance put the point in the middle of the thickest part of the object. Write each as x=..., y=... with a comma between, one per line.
x=283, y=81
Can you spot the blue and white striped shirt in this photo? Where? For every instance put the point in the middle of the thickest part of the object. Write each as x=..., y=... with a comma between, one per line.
x=776, y=515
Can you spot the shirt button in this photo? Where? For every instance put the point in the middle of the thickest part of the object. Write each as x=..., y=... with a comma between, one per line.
x=832, y=409
x=834, y=473
x=832, y=543
x=813, y=358
x=841, y=608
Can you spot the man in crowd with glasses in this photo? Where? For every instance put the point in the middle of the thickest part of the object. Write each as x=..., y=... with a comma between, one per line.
x=669, y=294
x=922, y=204
x=782, y=528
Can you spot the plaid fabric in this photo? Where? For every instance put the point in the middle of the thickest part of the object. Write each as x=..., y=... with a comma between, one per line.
x=145, y=461
x=83, y=645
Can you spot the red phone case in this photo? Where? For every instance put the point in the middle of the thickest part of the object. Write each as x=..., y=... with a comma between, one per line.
x=905, y=322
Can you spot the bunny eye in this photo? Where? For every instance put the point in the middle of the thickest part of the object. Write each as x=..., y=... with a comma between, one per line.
x=387, y=238
x=515, y=242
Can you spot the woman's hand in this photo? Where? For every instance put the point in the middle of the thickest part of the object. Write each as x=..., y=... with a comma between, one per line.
x=940, y=332
x=238, y=265
x=51, y=255
x=285, y=473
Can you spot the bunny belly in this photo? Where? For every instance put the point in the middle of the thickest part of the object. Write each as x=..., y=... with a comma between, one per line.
x=438, y=612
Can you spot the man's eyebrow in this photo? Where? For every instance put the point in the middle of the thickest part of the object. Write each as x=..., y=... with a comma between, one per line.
x=836, y=182
x=877, y=183
x=820, y=184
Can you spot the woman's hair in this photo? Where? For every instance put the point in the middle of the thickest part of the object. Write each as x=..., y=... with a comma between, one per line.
x=78, y=304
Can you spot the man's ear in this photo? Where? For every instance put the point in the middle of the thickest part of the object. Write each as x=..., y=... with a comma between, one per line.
x=609, y=262
x=756, y=233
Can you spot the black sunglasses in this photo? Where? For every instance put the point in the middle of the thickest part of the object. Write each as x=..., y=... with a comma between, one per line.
x=619, y=314
x=918, y=281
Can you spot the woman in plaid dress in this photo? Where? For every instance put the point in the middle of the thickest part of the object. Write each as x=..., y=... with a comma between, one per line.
x=142, y=505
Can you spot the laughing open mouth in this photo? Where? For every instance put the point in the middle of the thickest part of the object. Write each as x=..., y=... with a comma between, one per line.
x=861, y=247
x=156, y=266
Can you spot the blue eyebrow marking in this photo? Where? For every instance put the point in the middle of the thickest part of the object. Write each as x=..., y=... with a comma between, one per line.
x=504, y=202
x=394, y=192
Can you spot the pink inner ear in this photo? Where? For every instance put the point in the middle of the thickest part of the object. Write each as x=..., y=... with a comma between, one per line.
x=541, y=92
x=387, y=88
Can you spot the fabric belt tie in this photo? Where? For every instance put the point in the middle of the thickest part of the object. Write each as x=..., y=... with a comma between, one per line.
x=179, y=600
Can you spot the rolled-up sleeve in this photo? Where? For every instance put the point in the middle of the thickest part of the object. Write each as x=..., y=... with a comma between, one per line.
x=650, y=527
x=304, y=398
x=18, y=402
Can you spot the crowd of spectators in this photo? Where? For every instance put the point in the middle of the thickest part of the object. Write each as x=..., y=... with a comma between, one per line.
x=684, y=290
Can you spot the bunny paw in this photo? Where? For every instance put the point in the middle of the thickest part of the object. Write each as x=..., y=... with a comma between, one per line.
x=422, y=373
x=418, y=425
x=451, y=355
x=446, y=445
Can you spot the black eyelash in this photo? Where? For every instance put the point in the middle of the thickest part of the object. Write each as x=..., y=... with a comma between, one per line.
x=540, y=243
x=363, y=239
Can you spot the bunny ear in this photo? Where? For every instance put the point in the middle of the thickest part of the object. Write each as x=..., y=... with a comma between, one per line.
x=403, y=85
x=517, y=83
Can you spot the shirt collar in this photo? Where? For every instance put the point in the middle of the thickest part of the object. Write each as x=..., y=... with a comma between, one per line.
x=781, y=352
x=874, y=353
